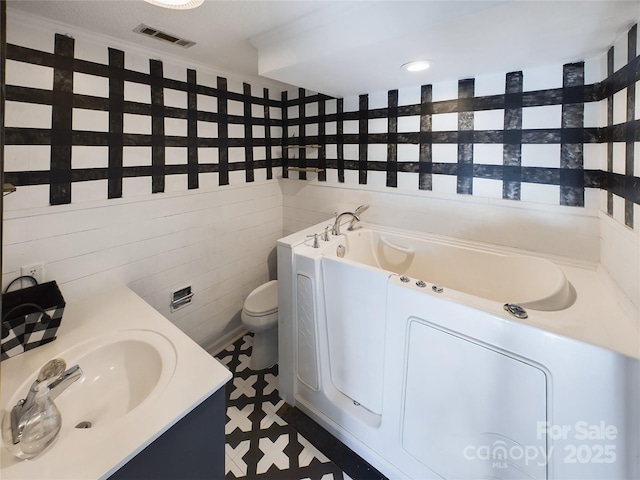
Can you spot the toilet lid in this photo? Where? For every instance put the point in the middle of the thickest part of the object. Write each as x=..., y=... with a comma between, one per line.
x=263, y=300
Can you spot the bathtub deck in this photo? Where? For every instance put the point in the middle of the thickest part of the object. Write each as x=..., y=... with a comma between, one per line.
x=261, y=444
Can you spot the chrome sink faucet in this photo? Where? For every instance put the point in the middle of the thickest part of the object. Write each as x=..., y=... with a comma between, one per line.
x=52, y=376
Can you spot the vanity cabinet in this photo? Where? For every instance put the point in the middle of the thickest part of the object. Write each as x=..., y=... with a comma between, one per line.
x=193, y=448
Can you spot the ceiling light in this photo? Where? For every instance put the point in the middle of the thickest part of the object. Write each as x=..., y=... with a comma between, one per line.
x=417, y=66
x=176, y=4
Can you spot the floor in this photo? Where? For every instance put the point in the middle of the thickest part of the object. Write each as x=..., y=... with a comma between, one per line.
x=260, y=444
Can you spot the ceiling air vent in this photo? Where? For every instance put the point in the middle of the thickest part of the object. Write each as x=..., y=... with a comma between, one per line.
x=167, y=37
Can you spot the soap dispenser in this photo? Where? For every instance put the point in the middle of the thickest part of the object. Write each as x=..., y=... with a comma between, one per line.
x=43, y=424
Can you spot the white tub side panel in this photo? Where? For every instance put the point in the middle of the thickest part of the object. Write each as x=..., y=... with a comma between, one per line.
x=471, y=412
x=355, y=302
x=307, y=351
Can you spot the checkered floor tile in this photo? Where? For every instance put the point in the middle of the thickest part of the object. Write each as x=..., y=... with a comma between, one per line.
x=259, y=443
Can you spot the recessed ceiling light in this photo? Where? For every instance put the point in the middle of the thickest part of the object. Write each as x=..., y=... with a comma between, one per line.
x=176, y=4
x=417, y=66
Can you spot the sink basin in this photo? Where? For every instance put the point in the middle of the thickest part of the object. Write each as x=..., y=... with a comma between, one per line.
x=121, y=372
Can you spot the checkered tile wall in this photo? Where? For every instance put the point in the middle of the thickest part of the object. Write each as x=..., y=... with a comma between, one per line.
x=107, y=122
x=84, y=121
x=508, y=141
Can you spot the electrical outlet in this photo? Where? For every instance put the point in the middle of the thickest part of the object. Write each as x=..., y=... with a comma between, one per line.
x=35, y=270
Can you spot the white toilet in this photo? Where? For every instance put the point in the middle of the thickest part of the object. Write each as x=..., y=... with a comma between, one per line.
x=260, y=316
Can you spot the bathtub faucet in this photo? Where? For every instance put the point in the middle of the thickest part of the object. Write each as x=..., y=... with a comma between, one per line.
x=336, y=226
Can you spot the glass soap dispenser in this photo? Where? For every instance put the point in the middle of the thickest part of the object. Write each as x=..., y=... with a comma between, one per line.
x=43, y=424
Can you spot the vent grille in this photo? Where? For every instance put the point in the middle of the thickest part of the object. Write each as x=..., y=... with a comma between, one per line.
x=159, y=34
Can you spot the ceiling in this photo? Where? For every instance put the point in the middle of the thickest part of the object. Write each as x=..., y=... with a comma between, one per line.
x=351, y=47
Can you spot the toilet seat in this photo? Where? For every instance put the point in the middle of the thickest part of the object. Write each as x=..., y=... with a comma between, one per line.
x=263, y=301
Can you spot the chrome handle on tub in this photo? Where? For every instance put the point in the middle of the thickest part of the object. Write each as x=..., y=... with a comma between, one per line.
x=405, y=250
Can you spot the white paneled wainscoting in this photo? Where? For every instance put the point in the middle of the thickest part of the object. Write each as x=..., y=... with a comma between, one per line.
x=219, y=241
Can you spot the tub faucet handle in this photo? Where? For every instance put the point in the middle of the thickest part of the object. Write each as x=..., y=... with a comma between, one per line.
x=325, y=235
x=316, y=244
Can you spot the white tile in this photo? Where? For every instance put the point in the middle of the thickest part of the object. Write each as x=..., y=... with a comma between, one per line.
x=377, y=152
x=275, y=113
x=136, y=156
x=311, y=129
x=541, y=155
x=620, y=50
x=257, y=131
x=487, y=154
x=444, y=153
x=311, y=109
x=28, y=75
x=486, y=187
x=378, y=125
x=92, y=52
x=175, y=155
x=257, y=111
x=237, y=177
x=236, y=130
x=293, y=112
x=542, y=78
x=539, y=193
x=175, y=183
x=19, y=158
x=619, y=158
x=89, y=157
x=408, y=152
x=595, y=114
x=90, y=120
x=92, y=85
x=207, y=129
x=137, y=92
x=175, y=98
x=235, y=107
x=259, y=153
x=330, y=106
x=177, y=127
x=236, y=154
x=595, y=69
x=444, y=122
x=135, y=186
x=409, y=95
x=376, y=179
x=89, y=191
x=36, y=38
x=595, y=156
x=488, y=120
x=407, y=181
x=207, y=154
x=486, y=85
x=351, y=127
x=351, y=151
x=207, y=103
x=546, y=116
x=620, y=107
x=351, y=103
x=444, y=183
x=378, y=100
x=409, y=124
x=27, y=115
x=133, y=123
x=136, y=62
x=445, y=91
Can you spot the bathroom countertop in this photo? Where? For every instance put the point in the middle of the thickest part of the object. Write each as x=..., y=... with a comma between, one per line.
x=99, y=452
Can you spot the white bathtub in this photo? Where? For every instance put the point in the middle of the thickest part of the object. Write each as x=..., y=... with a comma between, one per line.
x=400, y=346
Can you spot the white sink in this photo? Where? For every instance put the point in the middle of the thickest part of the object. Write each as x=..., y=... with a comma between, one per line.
x=121, y=372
